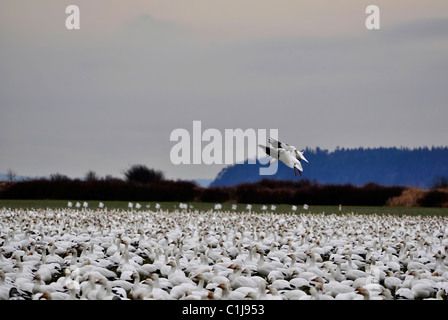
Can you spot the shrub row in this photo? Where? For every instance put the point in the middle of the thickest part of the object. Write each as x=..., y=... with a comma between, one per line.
x=264, y=191
x=285, y=192
x=118, y=190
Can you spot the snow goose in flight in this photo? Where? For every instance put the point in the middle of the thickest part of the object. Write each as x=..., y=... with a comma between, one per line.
x=298, y=154
x=284, y=156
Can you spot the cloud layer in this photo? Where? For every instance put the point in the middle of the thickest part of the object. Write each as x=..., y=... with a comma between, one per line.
x=105, y=100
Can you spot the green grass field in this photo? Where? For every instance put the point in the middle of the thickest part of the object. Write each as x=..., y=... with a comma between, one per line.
x=201, y=206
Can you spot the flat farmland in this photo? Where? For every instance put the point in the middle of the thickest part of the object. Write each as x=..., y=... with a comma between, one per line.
x=193, y=251
x=201, y=206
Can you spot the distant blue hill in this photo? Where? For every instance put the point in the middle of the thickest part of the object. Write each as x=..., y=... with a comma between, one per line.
x=385, y=166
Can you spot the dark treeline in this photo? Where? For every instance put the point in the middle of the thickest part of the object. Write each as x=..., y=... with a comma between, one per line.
x=303, y=191
x=140, y=184
x=144, y=184
x=113, y=190
x=384, y=166
x=265, y=191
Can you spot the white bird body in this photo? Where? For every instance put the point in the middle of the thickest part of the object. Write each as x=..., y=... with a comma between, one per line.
x=404, y=293
x=298, y=154
x=295, y=294
x=298, y=283
x=391, y=282
x=177, y=276
x=280, y=284
x=46, y=295
x=230, y=295
x=349, y=296
x=286, y=153
x=4, y=286
x=179, y=291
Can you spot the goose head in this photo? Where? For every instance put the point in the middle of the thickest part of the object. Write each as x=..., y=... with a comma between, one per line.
x=223, y=286
x=46, y=295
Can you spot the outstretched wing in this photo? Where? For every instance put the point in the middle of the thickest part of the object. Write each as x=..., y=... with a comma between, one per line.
x=274, y=153
x=283, y=145
x=278, y=144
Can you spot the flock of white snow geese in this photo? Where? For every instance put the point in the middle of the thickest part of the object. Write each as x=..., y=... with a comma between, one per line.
x=102, y=254
x=186, y=254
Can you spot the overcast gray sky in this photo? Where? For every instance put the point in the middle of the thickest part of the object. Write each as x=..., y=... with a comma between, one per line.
x=109, y=95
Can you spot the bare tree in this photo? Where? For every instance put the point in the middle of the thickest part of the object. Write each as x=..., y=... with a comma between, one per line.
x=91, y=176
x=11, y=175
x=440, y=182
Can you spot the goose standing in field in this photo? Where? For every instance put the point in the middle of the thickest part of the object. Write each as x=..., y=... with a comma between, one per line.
x=53, y=257
x=259, y=294
x=200, y=289
x=155, y=292
x=391, y=281
x=40, y=286
x=357, y=294
x=287, y=154
x=161, y=283
x=228, y=294
x=316, y=294
x=4, y=286
x=295, y=294
x=351, y=271
x=89, y=288
x=279, y=284
x=176, y=276
x=439, y=295
x=238, y=280
x=137, y=286
x=180, y=290
x=218, y=278
x=333, y=287
x=421, y=288
x=47, y=295
x=24, y=277
x=298, y=282
x=47, y=270
x=404, y=293
x=105, y=291
x=265, y=266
